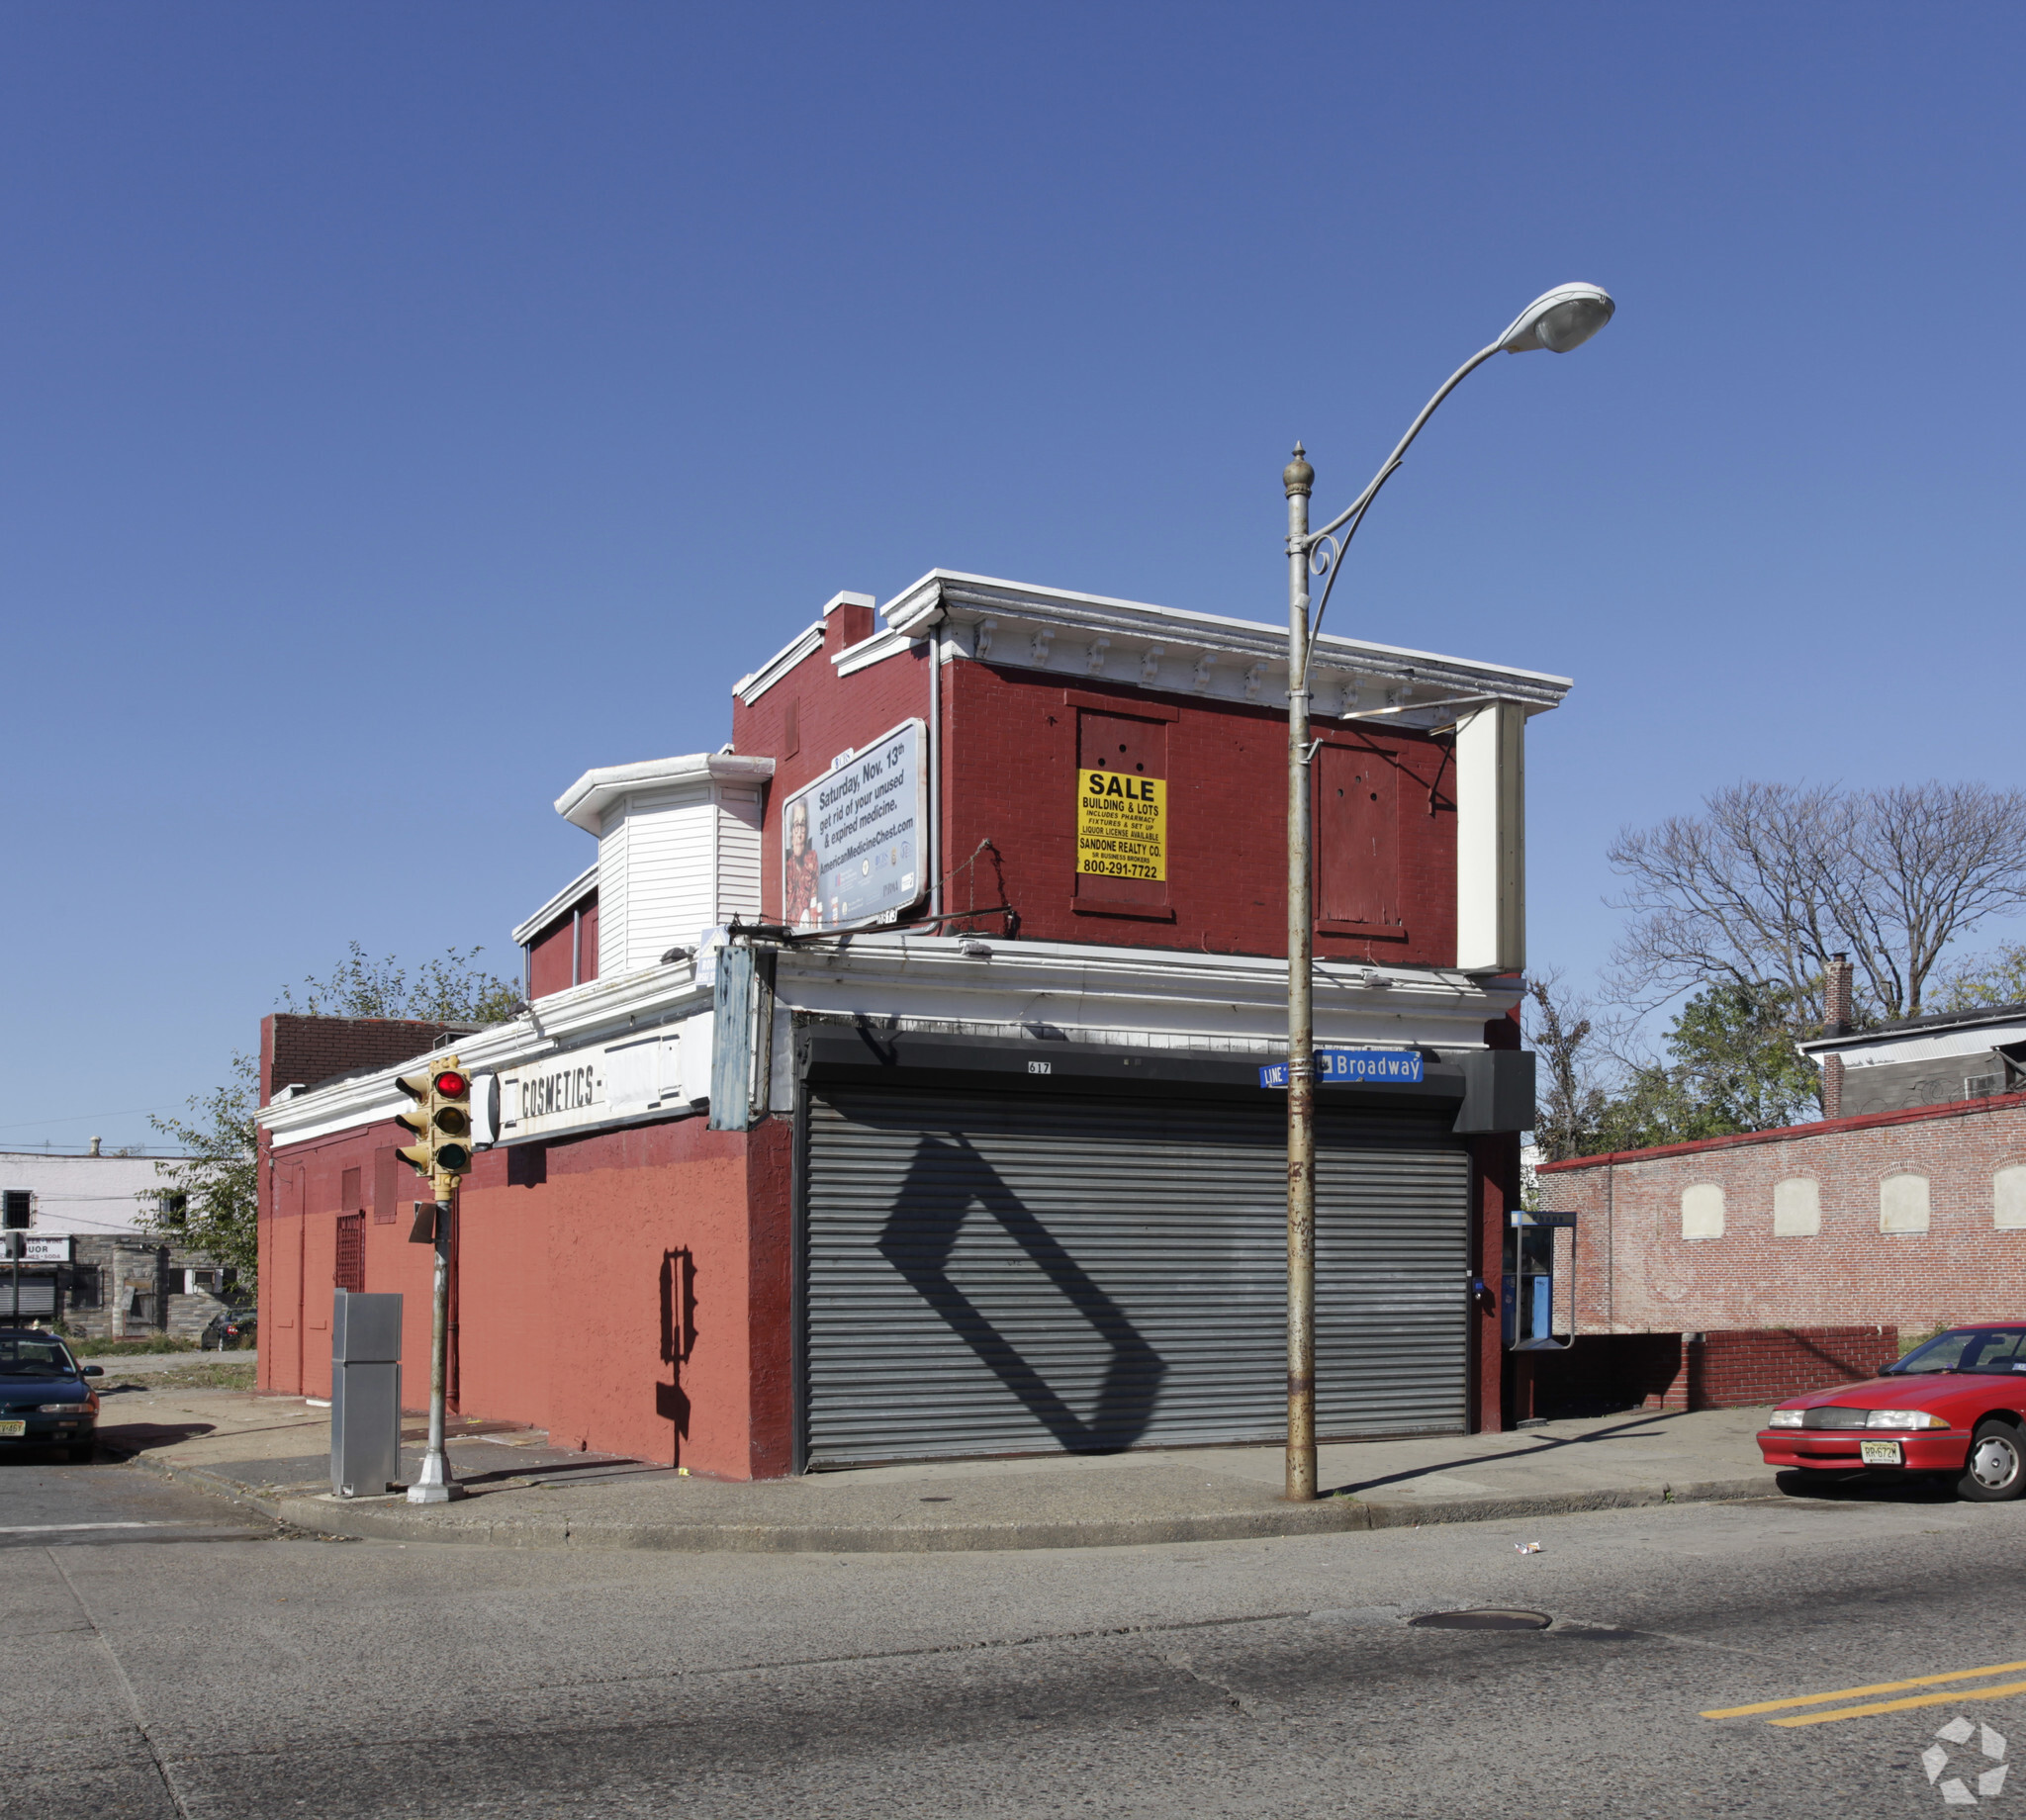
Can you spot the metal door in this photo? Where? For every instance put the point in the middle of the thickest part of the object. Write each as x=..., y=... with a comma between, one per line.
x=1021, y=1273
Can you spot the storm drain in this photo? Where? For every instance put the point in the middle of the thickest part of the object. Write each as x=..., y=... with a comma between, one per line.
x=1487, y=1617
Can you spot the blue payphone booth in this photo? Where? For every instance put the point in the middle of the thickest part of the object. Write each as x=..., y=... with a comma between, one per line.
x=1529, y=1301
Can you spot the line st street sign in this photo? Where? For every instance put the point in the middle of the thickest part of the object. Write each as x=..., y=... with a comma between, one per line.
x=1338, y=1066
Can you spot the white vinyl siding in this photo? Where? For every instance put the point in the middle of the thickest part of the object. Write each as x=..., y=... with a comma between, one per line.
x=670, y=864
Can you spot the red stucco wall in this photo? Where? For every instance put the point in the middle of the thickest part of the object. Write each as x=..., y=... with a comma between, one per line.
x=627, y=1291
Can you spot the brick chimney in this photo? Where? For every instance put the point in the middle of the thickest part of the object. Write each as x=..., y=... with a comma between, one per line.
x=1836, y=995
x=847, y=620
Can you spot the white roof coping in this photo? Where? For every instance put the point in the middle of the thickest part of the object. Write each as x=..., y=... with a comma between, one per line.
x=971, y=598
x=584, y=803
x=577, y=887
x=844, y=598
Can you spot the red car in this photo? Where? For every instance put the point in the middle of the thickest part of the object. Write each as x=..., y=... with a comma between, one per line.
x=1955, y=1406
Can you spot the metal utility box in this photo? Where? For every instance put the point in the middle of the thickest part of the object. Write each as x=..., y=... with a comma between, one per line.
x=1498, y=1091
x=365, y=1394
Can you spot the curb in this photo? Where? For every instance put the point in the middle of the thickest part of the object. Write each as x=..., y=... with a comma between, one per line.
x=398, y=1523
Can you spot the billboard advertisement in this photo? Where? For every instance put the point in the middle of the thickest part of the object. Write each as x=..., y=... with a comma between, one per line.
x=854, y=843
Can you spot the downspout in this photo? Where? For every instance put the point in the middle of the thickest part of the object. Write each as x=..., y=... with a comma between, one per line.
x=935, y=842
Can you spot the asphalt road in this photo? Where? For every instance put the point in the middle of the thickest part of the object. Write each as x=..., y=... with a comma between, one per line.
x=304, y=1679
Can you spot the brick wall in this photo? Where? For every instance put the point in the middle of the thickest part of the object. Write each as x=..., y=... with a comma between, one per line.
x=1736, y=1370
x=295, y=1048
x=1010, y=768
x=1606, y=1372
x=1637, y=1272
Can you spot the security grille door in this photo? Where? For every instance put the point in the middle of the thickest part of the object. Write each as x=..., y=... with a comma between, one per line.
x=38, y=1296
x=1014, y=1273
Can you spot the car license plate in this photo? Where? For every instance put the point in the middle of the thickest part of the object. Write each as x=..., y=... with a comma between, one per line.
x=12, y=1431
x=1880, y=1453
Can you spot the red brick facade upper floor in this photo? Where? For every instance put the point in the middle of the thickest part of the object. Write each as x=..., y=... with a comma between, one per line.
x=1019, y=696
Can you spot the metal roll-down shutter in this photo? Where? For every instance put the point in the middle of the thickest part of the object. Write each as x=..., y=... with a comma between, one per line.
x=1018, y=1273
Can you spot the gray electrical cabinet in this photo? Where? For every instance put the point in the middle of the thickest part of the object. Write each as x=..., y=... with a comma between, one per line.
x=365, y=1394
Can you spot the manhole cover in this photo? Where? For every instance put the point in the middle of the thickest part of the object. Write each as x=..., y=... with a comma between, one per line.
x=1489, y=1617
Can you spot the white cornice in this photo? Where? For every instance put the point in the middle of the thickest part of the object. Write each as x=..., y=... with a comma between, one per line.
x=586, y=801
x=749, y=689
x=561, y=1022
x=563, y=899
x=1165, y=998
x=1081, y=637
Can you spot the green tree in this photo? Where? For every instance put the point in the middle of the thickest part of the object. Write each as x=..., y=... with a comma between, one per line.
x=1730, y=1065
x=449, y=988
x=1986, y=980
x=210, y=1196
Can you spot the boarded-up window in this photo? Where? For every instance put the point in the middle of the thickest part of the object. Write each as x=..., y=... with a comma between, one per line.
x=1903, y=1204
x=1130, y=749
x=1796, y=1208
x=351, y=1272
x=1703, y=1211
x=1357, y=838
x=2008, y=1198
x=348, y=1198
x=387, y=1166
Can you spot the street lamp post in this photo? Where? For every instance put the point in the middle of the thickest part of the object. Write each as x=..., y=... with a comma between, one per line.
x=1560, y=320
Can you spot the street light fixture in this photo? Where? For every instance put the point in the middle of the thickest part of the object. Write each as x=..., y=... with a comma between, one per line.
x=1557, y=321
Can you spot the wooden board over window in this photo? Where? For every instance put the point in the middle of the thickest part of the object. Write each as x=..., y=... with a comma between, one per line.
x=1357, y=841
x=1133, y=748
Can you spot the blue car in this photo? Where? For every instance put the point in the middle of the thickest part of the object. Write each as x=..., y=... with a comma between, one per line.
x=45, y=1401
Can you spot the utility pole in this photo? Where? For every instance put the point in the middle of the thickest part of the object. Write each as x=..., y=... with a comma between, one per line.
x=1299, y=479
x=434, y=1483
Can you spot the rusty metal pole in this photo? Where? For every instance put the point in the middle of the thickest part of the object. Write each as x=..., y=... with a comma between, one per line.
x=434, y=1483
x=1299, y=479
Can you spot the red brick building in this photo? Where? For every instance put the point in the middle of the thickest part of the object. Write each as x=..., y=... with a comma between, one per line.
x=890, y=1084
x=1744, y=1269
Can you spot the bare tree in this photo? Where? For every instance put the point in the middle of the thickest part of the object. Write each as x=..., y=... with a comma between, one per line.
x=1773, y=878
x=1572, y=1098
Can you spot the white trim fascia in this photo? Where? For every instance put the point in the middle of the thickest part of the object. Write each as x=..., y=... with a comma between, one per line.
x=1160, y=997
x=750, y=688
x=1131, y=997
x=1180, y=652
x=584, y=803
x=1917, y=1046
x=563, y=1020
x=577, y=887
x=884, y=644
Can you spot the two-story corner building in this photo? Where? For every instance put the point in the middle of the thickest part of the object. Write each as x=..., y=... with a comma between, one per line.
x=891, y=1085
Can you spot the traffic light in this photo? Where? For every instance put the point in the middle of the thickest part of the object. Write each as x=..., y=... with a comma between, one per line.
x=420, y=1155
x=452, y=1117
x=440, y=1119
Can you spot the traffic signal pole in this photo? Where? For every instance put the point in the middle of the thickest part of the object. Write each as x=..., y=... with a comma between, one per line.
x=434, y=1483
x=441, y=1123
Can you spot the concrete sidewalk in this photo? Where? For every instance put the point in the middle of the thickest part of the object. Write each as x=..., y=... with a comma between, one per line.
x=272, y=1452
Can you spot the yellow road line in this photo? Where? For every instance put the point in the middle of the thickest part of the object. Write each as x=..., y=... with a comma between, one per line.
x=1851, y=1693
x=1918, y=1699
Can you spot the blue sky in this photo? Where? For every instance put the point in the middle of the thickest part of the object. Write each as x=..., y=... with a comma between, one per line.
x=431, y=403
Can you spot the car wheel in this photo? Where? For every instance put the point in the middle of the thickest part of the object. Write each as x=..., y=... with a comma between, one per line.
x=1997, y=1468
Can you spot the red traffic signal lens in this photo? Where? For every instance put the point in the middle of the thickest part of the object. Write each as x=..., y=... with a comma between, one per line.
x=452, y=1086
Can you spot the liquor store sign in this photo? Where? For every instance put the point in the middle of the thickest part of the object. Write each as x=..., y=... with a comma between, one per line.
x=1121, y=825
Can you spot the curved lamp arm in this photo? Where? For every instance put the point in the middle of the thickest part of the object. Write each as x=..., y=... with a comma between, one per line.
x=1353, y=515
x=1557, y=321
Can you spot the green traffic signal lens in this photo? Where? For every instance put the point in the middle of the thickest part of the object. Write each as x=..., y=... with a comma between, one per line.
x=454, y=1157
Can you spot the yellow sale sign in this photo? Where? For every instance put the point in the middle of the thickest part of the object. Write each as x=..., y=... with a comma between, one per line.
x=1121, y=825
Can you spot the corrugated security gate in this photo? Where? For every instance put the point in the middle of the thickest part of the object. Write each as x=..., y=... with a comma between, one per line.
x=1012, y=1273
